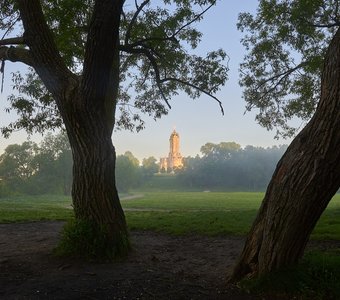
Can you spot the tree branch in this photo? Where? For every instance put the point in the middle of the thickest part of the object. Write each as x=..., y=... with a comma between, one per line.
x=46, y=59
x=16, y=55
x=194, y=19
x=171, y=38
x=146, y=74
x=152, y=39
x=282, y=75
x=100, y=74
x=133, y=20
x=195, y=87
x=159, y=81
x=13, y=41
x=336, y=12
x=10, y=27
x=154, y=66
x=335, y=24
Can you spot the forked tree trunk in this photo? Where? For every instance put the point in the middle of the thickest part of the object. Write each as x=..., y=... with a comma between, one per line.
x=89, y=121
x=305, y=180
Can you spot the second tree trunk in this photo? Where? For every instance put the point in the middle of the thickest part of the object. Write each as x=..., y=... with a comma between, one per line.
x=305, y=180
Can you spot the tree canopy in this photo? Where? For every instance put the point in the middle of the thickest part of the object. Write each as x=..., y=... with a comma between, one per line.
x=155, y=63
x=286, y=43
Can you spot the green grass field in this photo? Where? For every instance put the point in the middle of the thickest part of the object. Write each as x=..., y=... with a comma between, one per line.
x=176, y=213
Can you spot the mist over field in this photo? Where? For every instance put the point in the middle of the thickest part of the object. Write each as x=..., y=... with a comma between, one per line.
x=46, y=168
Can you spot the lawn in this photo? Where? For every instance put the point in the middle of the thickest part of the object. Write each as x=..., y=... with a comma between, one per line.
x=207, y=213
x=193, y=212
x=35, y=208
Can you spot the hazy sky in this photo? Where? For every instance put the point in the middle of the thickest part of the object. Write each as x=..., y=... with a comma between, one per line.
x=197, y=121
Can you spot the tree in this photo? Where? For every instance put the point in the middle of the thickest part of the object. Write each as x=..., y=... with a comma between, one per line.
x=33, y=169
x=308, y=174
x=127, y=172
x=18, y=160
x=18, y=166
x=55, y=165
x=223, y=150
x=85, y=57
x=149, y=167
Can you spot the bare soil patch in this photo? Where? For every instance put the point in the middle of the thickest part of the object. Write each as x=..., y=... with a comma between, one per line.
x=159, y=267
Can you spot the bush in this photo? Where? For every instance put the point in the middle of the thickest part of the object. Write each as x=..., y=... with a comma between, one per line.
x=87, y=240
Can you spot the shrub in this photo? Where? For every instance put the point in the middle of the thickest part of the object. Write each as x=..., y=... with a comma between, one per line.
x=87, y=240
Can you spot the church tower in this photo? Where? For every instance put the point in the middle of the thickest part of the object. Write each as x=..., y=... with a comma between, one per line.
x=174, y=159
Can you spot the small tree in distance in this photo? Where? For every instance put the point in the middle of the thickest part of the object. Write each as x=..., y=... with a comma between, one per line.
x=127, y=172
x=149, y=167
x=18, y=165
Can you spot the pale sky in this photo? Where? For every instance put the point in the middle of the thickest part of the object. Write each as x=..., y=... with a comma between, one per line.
x=197, y=121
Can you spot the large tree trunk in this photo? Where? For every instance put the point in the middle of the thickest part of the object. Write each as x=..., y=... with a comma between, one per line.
x=94, y=193
x=305, y=180
x=87, y=105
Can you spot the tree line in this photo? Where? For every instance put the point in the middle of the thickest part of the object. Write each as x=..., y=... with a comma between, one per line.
x=228, y=166
x=30, y=168
x=223, y=166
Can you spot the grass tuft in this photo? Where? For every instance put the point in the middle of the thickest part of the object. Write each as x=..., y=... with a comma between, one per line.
x=316, y=277
x=89, y=241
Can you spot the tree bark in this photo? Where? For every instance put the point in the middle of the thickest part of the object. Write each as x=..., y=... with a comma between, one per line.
x=305, y=180
x=94, y=192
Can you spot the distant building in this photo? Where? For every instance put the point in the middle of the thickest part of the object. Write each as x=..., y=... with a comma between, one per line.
x=174, y=160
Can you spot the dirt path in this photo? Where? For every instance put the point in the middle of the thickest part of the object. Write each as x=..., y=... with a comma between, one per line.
x=132, y=197
x=160, y=267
